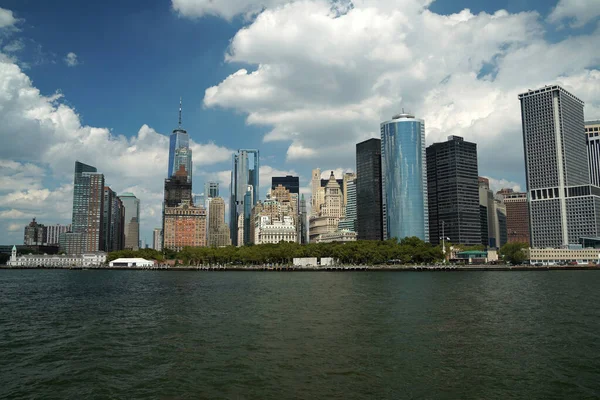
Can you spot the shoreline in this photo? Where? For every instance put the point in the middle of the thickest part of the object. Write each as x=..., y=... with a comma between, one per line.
x=341, y=268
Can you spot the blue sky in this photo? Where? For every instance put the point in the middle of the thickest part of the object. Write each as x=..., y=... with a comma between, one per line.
x=287, y=77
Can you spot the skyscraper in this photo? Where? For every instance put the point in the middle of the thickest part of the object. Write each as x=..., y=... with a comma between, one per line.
x=88, y=210
x=404, y=178
x=492, y=216
x=35, y=234
x=369, y=218
x=303, y=221
x=177, y=189
x=242, y=178
x=517, y=215
x=157, y=239
x=211, y=189
x=53, y=233
x=291, y=183
x=453, y=192
x=349, y=220
x=218, y=230
x=331, y=210
x=563, y=206
x=113, y=230
x=592, y=134
x=132, y=220
x=179, y=150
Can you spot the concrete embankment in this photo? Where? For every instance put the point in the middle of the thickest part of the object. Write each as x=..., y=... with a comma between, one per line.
x=341, y=268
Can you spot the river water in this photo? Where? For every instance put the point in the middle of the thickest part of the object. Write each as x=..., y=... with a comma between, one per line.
x=299, y=335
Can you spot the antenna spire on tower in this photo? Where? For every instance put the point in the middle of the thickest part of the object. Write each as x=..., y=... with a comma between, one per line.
x=180, y=112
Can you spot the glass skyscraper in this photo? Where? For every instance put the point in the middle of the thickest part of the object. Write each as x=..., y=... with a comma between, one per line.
x=88, y=208
x=179, y=151
x=369, y=218
x=242, y=176
x=132, y=220
x=404, y=178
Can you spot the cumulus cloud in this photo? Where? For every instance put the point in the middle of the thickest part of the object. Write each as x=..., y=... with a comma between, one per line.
x=224, y=9
x=71, y=60
x=577, y=12
x=7, y=18
x=323, y=80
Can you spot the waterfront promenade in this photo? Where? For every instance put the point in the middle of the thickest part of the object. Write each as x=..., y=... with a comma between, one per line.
x=338, y=268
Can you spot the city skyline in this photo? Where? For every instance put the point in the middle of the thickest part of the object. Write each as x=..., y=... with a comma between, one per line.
x=132, y=162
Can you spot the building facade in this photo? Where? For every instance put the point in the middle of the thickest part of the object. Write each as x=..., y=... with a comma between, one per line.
x=88, y=209
x=218, y=230
x=114, y=222
x=563, y=205
x=179, y=151
x=132, y=221
x=96, y=259
x=35, y=234
x=348, y=223
x=404, y=178
x=243, y=179
x=275, y=231
x=517, y=215
x=157, y=239
x=53, y=233
x=369, y=214
x=592, y=134
x=184, y=226
x=330, y=212
x=493, y=216
x=453, y=192
x=211, y=190
x=291, y=183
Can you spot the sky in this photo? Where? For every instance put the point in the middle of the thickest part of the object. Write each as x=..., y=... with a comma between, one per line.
x=303, y=81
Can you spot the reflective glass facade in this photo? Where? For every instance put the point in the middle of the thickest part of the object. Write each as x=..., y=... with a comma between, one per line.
x=179, y=138
x=404, y=178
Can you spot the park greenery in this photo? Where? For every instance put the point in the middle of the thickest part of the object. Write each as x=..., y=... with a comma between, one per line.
x=513, y=253
x=410, y=250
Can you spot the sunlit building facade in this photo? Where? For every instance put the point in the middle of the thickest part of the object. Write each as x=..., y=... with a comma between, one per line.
x=404, y=178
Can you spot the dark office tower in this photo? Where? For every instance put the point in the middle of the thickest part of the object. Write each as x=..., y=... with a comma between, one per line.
x=113, y=221
x=88, y=208
x=563, y=205
x=303, y=222
x=109, y=195
x=291, y=183
x=453, y=192
x=178, y=189
x=369, y=215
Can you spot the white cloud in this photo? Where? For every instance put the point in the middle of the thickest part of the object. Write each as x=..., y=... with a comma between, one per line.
x=15, y=227
x=577, y=12
x=71, y=59
x=325, y=80
x=14, y=46
x=7, y=18
x=224, y=9
x=497, y=184
x=12, y=214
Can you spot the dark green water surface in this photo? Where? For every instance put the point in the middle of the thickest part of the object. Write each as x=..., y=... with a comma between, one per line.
x=309, y=335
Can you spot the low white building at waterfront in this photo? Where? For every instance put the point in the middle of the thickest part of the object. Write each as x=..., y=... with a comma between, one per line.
x=563, y=256
x=131, y=262
x=55, y=260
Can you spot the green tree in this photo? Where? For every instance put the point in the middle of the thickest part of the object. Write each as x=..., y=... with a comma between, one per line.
x=513, y=252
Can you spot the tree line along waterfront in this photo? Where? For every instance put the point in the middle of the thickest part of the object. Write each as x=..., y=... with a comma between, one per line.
x=410, y=250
